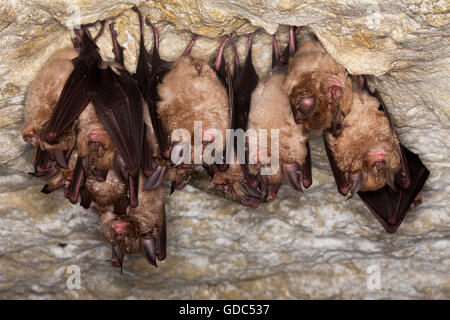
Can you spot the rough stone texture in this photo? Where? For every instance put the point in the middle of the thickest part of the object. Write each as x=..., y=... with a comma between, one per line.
x=311, y=245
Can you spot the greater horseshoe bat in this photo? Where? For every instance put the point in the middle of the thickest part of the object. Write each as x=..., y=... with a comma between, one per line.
x=177, y=95
x=270, y=109
x=319, y=88
x=117, y=102
x=43, y=95
x=130, y=230
x=191, y=91
x=241, y=87
x=149, y=72
x=386, y=175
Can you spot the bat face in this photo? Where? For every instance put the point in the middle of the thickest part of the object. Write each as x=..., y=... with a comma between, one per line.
x=141, y=230
x=318, y=87
x=94, y=142
x=373, y=164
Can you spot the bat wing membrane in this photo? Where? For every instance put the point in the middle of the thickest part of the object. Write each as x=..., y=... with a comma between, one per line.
x=388, y=206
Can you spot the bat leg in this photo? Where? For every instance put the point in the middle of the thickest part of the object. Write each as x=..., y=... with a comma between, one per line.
x=188, y=49
x=219, y=65
x=50, y=188
x=237, y=62
x=117, y=49
x=275, y=51
x=181, y=181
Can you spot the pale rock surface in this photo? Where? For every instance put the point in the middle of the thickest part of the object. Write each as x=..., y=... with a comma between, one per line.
x=311, y=245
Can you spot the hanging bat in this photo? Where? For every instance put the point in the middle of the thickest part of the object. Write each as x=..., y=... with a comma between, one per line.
x=270, y=109
x=149, y=72
x=43, y=95
x=251, y=192
x=367, y=158
x=319, y=88
x=184, y=90
x=117, y=102
x=51, y=160
x=191, y=91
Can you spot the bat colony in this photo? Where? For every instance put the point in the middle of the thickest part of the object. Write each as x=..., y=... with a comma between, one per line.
x=105, y=135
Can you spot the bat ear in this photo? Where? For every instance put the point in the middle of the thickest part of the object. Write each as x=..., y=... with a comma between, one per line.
x=333, y=88
x=334, y=92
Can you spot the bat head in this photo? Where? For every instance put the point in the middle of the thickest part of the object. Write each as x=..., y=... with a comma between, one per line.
x=125, y=234
x=376, y=171
x=316, y=96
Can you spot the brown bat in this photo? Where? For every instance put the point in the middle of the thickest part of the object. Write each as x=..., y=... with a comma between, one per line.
x=43, y=95
x=130, y=230
x=319, y=88
x=117, y=102
x=191, y=91
x=246, y=186
x=270, y=109
x=177, y=95
x=368, y=158
x=149, y=72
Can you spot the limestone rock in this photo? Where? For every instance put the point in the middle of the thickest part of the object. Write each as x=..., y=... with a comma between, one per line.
x=311, y=245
